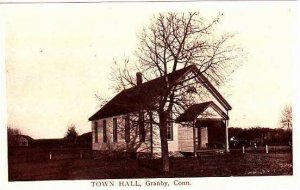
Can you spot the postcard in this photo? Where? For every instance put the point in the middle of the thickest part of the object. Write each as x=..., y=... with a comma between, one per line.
x=139, y=95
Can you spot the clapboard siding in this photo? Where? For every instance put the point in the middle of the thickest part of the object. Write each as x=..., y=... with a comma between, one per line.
x=173, y=144
x=185, y=139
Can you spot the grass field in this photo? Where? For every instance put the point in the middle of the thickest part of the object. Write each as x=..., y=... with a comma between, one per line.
x=67, y=165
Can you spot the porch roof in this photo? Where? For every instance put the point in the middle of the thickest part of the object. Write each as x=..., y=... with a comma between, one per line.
x=195, y=110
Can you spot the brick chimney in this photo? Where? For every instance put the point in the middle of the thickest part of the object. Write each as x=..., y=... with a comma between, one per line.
x=139, y=78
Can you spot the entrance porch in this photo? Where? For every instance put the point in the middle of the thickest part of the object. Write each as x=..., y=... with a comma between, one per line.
x=206, y=125
x=209, y=136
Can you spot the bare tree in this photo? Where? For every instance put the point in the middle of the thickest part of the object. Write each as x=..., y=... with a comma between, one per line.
x=171, y=42
x=287, y=121
x=287, y=117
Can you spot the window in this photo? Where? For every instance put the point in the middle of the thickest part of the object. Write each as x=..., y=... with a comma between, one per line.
x=170, y=131
x=127, y=129
x=141, y=127
x=96, y=132
x=115, y=125
x=170, y=128
x=104, y=131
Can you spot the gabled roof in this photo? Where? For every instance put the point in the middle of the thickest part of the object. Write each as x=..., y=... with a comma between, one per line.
x=134, y=98
x=85, y=138
x=212, y=89
x=195, y=110
x=137, y=97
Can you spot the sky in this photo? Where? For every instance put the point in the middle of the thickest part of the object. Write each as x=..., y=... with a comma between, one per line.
x=57, y=56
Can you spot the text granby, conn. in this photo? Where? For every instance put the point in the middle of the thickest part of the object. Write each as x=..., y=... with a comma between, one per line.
x=136, y=183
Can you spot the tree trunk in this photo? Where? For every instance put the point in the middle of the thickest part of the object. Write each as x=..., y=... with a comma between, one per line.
x=164, y=141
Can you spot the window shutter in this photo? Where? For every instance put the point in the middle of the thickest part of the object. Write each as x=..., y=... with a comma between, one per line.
x=170, y=128
x=141, y=127
x=127, y=129
x=115, y=128
x=104, y=131
x=96, y=132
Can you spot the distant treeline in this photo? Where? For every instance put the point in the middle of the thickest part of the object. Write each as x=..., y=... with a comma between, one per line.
x=259, y=136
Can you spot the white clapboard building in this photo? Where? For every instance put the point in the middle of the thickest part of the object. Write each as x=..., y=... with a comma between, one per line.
x=125, y=123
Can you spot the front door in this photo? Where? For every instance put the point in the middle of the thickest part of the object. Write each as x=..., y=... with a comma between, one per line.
x=202, y=137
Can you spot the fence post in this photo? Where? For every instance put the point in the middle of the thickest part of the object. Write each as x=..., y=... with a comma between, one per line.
x=267, y=149
x=243, y=150
x=80, y=154
x=50, y=156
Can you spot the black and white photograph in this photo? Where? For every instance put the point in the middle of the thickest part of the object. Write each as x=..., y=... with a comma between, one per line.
x=149, y=94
